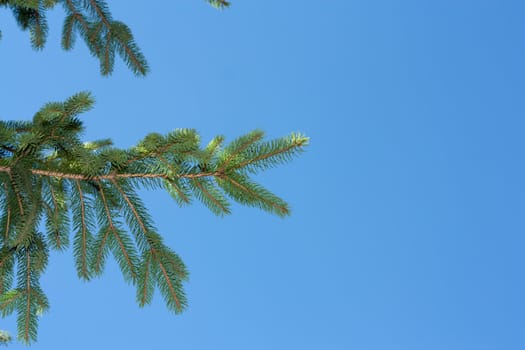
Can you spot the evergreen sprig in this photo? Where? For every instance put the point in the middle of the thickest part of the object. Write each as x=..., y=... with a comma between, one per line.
x=86, y=193
x=91, y=20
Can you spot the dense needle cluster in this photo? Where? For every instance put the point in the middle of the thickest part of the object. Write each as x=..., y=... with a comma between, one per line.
x=57, y=191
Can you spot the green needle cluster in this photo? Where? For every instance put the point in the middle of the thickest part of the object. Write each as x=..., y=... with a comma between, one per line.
x=57, y=191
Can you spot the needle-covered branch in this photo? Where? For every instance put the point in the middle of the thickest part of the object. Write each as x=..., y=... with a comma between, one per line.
x=86, y=193
x=92, y=21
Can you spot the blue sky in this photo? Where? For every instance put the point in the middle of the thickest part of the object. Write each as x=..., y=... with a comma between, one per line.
x=408, y=207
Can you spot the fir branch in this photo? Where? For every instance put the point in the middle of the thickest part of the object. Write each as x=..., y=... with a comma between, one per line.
x=211, y=197
x=240, y=145
x=57, y=219
x=212, y=149
x=172, y=293
x=91, y=19
x=100, y=9
x=38, y=31
x=131, y=206
x=116, y=234
x=26, y=229
x=260, y=195
x=100, y=250
x=82, y=256
x=144, y=282
x=180, y=195
x=28, y=296
x=145, y=291
x=47, y=173
x=296, y=143
x=69, y=25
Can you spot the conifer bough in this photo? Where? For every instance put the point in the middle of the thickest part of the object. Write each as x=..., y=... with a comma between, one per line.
x=49, y=176
x=92, y=21
x=57, y=191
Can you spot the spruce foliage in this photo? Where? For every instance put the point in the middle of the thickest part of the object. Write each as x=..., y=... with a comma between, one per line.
x=90, y=20
x=57, y=191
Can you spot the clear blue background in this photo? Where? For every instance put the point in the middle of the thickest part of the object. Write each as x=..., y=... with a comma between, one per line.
x=408, y=208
